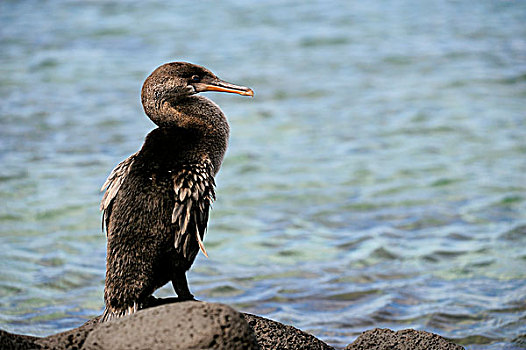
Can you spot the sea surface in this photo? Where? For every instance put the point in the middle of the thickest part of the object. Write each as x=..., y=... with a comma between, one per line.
x=376, y=179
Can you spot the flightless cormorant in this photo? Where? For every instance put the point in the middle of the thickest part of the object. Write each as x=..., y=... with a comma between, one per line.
x=155, y=208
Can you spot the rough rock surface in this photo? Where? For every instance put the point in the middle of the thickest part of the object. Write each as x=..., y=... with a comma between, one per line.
x=186, y=325
x=16, y=341
x=276, y=336
x=70, y=340
x=407, y=339
x=197, y=325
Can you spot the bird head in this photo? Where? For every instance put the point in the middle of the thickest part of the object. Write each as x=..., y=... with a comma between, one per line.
x=175, y=81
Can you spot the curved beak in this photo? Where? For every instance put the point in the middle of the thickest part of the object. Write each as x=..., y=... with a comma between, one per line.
x=223, y=86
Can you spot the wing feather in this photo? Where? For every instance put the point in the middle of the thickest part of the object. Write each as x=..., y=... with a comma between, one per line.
x=194, y=192
x=112, y=185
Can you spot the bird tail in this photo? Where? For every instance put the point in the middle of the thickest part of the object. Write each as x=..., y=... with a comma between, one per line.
x=112, y=313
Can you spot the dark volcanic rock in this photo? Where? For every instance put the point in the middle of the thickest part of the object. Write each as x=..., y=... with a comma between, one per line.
x=70, y=340
x=276, y=336
x=17, y=342
x=185, y=325
x=407, y=339
x=201, y=325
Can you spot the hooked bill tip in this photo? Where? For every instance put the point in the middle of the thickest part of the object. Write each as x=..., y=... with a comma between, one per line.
x=249, y=92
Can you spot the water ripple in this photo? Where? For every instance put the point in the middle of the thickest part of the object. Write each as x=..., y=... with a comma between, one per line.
x=376, y=179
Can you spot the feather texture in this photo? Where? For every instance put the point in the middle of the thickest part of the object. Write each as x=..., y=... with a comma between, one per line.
x=194, y=192
x=108, y=316
x=112, y=185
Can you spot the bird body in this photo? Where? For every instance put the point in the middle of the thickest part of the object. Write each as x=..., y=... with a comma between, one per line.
x=156, y=204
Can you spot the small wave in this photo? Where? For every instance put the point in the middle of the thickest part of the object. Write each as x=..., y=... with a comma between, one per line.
x=517, y=233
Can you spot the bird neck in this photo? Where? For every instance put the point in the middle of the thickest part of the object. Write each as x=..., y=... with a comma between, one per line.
x=200, y=116
x=189, y=112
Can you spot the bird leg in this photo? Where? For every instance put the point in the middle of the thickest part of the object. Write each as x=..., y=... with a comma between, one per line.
x=181, y=286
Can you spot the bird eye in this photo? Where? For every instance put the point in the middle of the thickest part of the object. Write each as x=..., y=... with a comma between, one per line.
x=195, y=78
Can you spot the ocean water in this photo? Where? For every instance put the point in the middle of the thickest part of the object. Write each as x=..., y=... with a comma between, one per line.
x=376, y=179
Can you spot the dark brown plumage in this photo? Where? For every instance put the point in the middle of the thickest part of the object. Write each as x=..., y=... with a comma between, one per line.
x=156, y=204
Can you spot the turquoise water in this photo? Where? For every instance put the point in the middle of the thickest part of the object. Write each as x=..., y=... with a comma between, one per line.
x=377, y=178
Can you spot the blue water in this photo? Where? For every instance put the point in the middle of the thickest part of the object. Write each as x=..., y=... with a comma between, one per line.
x=377, y=178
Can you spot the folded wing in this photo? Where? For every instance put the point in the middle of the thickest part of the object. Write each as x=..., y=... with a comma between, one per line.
x=194, y=193
x=112, y=185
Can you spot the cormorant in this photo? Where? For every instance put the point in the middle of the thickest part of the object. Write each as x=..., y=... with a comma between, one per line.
x=155, y=208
